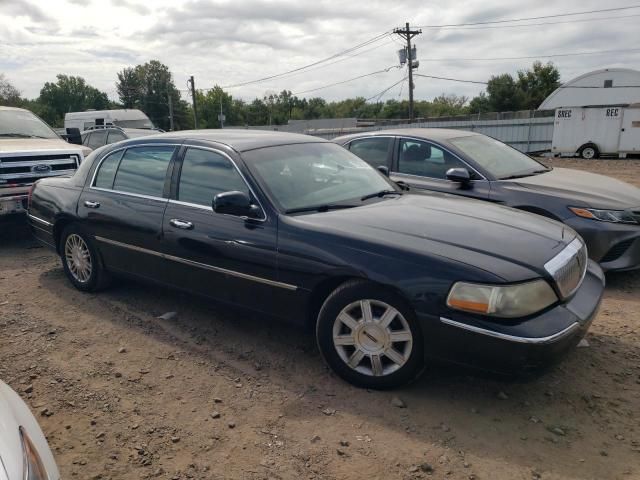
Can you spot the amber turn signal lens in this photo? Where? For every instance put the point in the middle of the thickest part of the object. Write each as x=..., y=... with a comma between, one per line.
x=582, y=212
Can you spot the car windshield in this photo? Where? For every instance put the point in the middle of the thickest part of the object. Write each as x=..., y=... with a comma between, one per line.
x=315, y=175
x=23, y=124
x=499, y=159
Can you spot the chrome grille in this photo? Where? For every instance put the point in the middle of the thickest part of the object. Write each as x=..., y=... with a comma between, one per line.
x=568, y=267
x=26, y=169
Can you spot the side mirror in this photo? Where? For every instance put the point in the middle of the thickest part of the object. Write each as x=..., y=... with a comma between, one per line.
x=234, y=203
x=384, y=170
x=459, y=175
x=73, y=136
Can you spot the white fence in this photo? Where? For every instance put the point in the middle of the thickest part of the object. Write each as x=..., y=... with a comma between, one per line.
x=528, y=131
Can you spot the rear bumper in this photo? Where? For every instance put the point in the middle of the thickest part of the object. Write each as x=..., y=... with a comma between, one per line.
x=510, y=347
x=616, y=246
x=42, y=230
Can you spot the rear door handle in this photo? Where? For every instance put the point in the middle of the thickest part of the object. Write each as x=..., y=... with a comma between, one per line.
x=183, y=224
x=90, y=204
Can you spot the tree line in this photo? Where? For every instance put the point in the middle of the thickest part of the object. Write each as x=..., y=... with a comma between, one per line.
x=150, y=87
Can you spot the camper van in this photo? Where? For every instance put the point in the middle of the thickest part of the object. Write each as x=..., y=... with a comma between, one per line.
x=590, y=132
x=125, y=118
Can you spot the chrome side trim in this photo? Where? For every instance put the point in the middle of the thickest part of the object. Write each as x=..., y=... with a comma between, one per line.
x=512, y=338
x=40, y=220
x=193, y=263
x=137, y=195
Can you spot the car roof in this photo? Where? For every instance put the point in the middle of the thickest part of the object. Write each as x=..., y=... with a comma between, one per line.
x=241, y=139
x=2, y=107
x=436, y=134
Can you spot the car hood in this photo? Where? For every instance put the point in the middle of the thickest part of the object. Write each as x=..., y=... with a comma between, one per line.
x=508, y=243
x=583, y=189
x=11, y=145
x=15, y=414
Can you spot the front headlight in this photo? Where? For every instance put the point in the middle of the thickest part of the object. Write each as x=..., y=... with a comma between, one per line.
x=615, y=216
x=507, y=301
x=33, y=467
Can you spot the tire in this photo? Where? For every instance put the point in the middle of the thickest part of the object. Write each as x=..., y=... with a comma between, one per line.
x=383, y=355
x=589, y=151
x=82, y=264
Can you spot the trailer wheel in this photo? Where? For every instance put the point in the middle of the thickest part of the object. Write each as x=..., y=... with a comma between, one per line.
x=589, y=151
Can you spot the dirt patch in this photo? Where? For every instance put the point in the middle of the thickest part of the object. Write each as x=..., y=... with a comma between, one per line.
x=213, y=393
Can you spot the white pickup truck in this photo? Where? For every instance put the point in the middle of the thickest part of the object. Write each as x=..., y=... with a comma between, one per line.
x=29, y=150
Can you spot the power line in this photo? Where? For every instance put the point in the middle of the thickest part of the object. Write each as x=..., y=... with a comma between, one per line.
x=575, y=54
x=346, y=57
x=348, y=80
x=575, y=20
x=366, y=43
x=569, y=14
x=450, y=79
x=379, y=95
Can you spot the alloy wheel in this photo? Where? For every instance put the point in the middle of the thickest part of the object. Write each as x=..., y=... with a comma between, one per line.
x=372, y=337
x=78, y=258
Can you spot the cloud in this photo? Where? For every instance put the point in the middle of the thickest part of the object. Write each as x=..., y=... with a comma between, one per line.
x=135, y=7
x=231, y=41
x=23, y=8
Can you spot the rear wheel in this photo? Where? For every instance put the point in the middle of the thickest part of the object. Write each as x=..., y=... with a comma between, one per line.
x=81, y=262
x=369, y=336
x=589, y=152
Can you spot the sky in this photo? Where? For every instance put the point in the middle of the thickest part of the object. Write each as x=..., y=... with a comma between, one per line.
x=226, y=42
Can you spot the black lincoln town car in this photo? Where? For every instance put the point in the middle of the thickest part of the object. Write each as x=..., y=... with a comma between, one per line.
x=603, y=210
x=299, y=228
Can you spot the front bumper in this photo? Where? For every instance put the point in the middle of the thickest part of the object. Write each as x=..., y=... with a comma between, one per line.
x=616, y=246
x=516, y=345
x=13, y=204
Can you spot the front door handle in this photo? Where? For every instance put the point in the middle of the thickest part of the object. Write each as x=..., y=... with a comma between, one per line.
x=183, y=224
x=90, y=204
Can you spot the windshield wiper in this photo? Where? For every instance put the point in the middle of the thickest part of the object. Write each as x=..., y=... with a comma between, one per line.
x=320, y=208
x=380, y=194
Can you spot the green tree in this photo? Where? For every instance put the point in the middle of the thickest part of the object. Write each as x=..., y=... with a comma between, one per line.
x=504, y=93
x=148, y=88
x=538, y=83
x=129, y=87
x=9, y=95
x=69, y=94
x=480, y=104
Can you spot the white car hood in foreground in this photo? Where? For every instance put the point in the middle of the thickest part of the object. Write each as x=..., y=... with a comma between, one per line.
x=14, y=413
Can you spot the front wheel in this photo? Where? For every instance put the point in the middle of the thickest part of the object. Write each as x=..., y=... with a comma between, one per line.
x=81, y=262
x=370, y=336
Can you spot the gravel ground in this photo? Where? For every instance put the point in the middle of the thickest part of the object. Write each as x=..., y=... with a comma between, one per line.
x=212, y=393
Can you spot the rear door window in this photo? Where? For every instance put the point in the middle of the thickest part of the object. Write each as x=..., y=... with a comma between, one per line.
x=116, y=136
x=107, y=171
x=98, y=139
x=143, y=170
x=205, y=174
x=374, y=151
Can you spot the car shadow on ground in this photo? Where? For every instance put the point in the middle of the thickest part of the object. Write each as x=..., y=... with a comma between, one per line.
x=448, y=405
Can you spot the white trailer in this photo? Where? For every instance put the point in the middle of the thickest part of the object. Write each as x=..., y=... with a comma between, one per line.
x=125, y=118
x=589, y=132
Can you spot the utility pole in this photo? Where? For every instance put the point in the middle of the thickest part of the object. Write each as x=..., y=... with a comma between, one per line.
x=193, y=97
x=221, y=114
x=170, y=111
x=408, y=34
